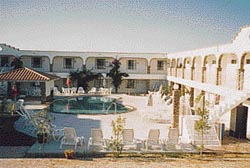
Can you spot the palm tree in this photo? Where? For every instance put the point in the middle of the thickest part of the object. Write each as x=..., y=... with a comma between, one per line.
x=16, y=63
x=116, y=75
x=83, y=76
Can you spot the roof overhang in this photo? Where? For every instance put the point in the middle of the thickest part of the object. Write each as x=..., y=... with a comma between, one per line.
x=27, y=75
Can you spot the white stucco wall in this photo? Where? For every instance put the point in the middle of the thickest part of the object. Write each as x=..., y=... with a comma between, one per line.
x=141, y=65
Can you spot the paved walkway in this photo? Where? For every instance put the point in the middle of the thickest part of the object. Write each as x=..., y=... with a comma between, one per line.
x=142, y=119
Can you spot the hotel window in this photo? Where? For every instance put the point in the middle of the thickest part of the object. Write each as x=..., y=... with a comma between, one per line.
x=36, y=62
x=98, y=83
x=131, y=64
x=160, y=65
x=4, y=61
x=233, y=61
x=213, y=61
x=130, y=84
x=68, y=63
x=100, y=63
x=248, y=61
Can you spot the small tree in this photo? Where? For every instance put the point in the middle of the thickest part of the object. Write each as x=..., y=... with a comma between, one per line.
x=83, y=77
x=116, y=139
x=202, y=125
x=116, y=75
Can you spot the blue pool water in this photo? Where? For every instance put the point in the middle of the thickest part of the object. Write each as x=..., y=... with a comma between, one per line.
x=87, y=105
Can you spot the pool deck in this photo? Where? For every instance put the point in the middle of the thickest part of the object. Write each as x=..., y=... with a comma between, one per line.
x=142, y=119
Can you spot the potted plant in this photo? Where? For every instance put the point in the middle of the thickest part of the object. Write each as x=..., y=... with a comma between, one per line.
x=42, y=132
x=69, y=153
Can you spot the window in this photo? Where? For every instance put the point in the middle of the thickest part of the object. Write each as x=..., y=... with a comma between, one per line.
x=4, y=61
x=100, y=63
x=248, y=61
x=131, y=64
x=233, y=61
x=68, y=63
x=36, y=62
x=213, y=61
x=98, y=83
x=160, y=65
x=130, y=83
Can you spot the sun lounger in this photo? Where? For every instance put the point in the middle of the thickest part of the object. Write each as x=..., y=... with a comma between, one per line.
x=80, y=90
x=128, y=140
x=70, y=138
x=153, y=141
x=96, y=140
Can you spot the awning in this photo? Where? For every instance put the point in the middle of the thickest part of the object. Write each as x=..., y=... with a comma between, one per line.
x=27, y=74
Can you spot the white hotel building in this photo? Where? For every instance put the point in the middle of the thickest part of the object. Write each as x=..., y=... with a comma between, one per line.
x=146, y=70
x=221, y=73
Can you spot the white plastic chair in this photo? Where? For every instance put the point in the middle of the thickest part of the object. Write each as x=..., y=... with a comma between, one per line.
x=153, y=140
x=73, y=90
x=92, y=90
x=56, y=91
x=80, y=90
x=128, y=139
x=70, y=137
x=96, y=139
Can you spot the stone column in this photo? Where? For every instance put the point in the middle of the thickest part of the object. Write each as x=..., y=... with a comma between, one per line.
x=183, y=73
x=191, y=101
x=171, y=88
x=203, y=75
x=218, y=76
x=175, y=71
x=240, y=79
x=218, y=82
x=192, y=73
x=176, y=107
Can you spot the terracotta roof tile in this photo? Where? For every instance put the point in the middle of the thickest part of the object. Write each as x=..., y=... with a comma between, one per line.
x=26, y=74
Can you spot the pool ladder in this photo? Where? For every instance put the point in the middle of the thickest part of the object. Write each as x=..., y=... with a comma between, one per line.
x=113, y=103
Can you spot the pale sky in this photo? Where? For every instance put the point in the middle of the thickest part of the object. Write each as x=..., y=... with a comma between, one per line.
x=121, y=25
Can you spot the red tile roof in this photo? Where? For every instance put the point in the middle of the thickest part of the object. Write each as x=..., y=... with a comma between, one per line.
x=26, y=74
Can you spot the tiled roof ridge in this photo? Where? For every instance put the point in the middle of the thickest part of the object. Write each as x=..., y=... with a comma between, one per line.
x=39, y=74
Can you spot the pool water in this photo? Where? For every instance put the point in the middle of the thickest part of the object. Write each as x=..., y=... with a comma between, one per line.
x=87, y=105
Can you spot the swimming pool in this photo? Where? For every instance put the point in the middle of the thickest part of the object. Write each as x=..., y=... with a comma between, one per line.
x=88, y=105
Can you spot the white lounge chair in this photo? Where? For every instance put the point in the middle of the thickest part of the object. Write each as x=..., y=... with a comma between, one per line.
x=96, y=140
x=128, y=140
x=56, y=91
x=153, y=140
x=92, y=90
x=73, y=90
x=63, y=90
x=80, y=90
x=70, y=138
x=172, y=142
x=110, y=90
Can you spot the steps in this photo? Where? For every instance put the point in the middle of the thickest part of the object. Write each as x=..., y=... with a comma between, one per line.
x=210, y=138
x=236, y=98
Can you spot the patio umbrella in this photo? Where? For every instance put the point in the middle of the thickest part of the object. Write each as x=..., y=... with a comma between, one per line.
x=14, y=91
x=150, y=100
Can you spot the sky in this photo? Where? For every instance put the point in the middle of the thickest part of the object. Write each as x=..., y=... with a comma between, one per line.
x=153, y=26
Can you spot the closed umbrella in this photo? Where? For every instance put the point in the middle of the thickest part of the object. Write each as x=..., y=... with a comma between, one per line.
x=68, y=81
x=14, y=91
x=150, y=100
